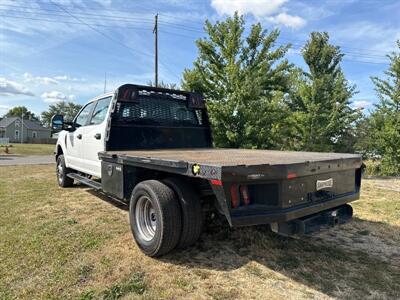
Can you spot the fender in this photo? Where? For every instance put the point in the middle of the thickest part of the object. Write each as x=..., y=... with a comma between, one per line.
x=61, y=144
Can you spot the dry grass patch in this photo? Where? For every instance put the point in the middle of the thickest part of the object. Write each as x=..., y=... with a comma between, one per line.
x=73, y=243
x=29, y=149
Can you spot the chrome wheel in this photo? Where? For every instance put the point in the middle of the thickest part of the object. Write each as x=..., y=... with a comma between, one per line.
x=146, y=218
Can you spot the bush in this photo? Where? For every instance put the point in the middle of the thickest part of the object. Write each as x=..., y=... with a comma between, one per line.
x=377, y=168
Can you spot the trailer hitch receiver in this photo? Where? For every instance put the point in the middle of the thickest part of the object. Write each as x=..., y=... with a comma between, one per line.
x=314, y=223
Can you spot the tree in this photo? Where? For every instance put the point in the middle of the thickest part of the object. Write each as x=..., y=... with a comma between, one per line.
x=322, y=99
x=17, y=111
x=245, y=81
x=68, y=109
x=384, y=122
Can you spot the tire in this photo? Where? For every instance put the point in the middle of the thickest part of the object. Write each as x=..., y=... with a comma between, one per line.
x=62, y=171
x=155, y=217
x=192, y=216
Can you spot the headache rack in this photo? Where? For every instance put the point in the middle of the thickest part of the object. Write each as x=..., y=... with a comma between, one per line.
x=145, y=117
x=131, y=93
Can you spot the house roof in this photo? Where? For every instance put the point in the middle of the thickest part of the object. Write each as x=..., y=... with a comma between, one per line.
x=33, y=125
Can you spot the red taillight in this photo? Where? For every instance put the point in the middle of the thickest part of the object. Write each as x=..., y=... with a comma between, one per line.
x=291, y=175
x=216, y=182
x=234, y=195
x=245, y=194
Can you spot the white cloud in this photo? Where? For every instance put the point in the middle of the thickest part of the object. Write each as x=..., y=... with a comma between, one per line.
x=271, y=11
x=63, y=77
x=258, y=8
x=67, y=78
x=38, y=79
x=361, y=104
x=11, y=88
x=4, y=109
x=55, y=96
x=288, y=20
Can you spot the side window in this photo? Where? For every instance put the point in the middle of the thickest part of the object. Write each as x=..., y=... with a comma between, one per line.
x=100, y=111
x=82, y=117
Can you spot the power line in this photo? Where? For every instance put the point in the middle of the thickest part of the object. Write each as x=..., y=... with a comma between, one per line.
x=94, y=16
x=296, y=49
x=194, y=29
x=175, y=26
x=166, y=32
x=104, y=34
x=75, y=23
x=99, y=31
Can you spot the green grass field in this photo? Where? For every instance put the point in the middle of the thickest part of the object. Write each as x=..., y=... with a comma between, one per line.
x=29, y=149
x=75, y=244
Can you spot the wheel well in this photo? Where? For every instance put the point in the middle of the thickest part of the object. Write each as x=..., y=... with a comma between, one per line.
x=58, y=151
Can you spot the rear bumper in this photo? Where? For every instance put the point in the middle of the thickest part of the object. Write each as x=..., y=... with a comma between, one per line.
x=245, y=218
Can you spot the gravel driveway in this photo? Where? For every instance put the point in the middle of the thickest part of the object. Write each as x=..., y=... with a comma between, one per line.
x=12, y=160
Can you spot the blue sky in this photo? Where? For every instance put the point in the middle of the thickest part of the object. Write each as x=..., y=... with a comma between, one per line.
x=61, y=49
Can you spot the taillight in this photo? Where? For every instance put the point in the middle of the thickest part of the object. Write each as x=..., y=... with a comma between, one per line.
x=234, y=195
x=216, y=182
x=245, y=194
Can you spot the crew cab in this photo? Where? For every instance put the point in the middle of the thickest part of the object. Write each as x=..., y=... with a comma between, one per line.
x=152, y=148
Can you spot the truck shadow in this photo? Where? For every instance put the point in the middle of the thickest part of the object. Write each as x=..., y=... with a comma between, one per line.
x=358, y=258
x=114, y=202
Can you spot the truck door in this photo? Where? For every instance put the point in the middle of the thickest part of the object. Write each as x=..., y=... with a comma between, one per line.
x=93, y=136
x=74, y=143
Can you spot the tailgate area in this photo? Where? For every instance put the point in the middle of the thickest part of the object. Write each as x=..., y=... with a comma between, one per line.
x=317, y=188
x=289, y=199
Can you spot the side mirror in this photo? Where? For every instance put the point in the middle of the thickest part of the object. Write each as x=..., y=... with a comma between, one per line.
x=57, y=123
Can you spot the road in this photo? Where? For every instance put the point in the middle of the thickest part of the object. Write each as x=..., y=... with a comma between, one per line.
x=12, y=160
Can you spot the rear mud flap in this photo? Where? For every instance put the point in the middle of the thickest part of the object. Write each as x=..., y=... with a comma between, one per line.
x=314, y=223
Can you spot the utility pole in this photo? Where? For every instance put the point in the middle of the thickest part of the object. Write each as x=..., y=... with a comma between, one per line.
x=155, y=31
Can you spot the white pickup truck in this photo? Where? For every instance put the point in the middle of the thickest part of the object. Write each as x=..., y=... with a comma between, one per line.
x=152, y=148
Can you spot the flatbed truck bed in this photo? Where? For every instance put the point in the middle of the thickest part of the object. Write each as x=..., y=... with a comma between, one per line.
x=283, y=184
x=236, y=164
x=232, y=157
x=154, y=150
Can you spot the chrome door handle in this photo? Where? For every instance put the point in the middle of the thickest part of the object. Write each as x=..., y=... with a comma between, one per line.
x=79, y=136
x=97, y=136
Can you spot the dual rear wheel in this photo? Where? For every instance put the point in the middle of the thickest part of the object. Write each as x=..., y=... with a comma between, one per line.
x=164, y=215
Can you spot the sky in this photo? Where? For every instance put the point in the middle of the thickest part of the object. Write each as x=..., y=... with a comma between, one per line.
x=53, y=50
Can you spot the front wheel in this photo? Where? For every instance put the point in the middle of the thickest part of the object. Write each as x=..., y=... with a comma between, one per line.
x=62, y=171
x=155, y=217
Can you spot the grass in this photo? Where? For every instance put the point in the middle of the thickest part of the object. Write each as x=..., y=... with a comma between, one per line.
x=29, y=149
x=75, y=244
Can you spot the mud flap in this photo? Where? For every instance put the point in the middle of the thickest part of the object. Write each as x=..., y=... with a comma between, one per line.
x=314, y=223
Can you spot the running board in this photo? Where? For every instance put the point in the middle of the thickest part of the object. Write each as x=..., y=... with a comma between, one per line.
x=86, y=181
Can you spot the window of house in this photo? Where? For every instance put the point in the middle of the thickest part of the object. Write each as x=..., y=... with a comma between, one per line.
x=17, y=134
x=34, y=134
x=17, y=123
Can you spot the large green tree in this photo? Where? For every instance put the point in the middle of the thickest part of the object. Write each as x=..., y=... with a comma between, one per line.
x=245, y=80
x=384, y=122
x=68, y=109
x=321, y=100
x=18, y=111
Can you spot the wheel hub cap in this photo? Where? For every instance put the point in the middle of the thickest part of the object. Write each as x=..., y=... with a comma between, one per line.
x=146, y=218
